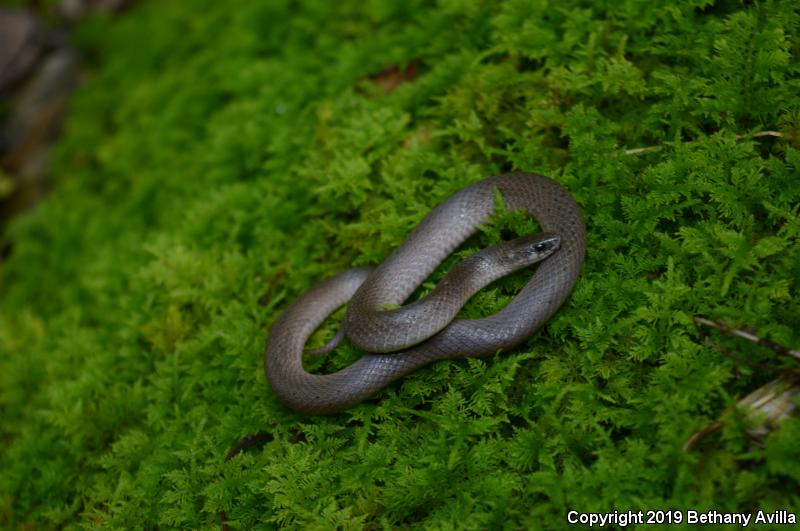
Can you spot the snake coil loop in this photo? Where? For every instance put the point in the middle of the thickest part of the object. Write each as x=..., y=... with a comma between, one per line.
x=395, y=346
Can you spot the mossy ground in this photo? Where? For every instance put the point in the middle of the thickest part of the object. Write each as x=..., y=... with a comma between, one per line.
x=225, y=156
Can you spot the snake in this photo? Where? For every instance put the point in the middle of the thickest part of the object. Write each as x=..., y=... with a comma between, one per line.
x=399, y=340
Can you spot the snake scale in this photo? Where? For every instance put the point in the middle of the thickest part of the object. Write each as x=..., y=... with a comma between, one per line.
x=396, y=346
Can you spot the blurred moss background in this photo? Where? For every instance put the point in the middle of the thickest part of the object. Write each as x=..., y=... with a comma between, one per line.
x=222, y=157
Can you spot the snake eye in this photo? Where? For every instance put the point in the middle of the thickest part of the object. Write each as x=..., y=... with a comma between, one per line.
x=543, y=247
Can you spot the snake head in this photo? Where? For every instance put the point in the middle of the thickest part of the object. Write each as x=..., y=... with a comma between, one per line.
x=528, y=250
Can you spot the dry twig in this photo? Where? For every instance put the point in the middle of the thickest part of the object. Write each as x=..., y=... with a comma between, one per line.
x=652, y=149
x=779, y=349
x=767, y=406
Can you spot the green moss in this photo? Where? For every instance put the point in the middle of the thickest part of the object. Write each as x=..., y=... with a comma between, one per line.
x=224, y=157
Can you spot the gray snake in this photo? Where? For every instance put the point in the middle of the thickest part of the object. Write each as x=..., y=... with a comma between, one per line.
x=368, y=291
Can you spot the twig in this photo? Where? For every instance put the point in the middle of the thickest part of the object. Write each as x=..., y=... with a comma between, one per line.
x=777, y=134
x=267, y=296
x=700, y=434
x=779, y=349
x=639, y=151
x=652, y=149
x=771, y=399
x=245, y=442
x=728, y=352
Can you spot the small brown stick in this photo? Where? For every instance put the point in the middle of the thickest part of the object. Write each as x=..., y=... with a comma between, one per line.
x=728, y=352
x=763, y=409
x=245, y=442
x=700, y=434
x=779, y=349
x=652, y=149
x=392, y=77
x=771, y=399
x=267, y=296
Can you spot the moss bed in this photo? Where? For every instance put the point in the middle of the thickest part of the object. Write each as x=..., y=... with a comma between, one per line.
x=222, y=157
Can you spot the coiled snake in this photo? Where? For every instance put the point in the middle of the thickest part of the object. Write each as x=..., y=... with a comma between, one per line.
x=401, y=340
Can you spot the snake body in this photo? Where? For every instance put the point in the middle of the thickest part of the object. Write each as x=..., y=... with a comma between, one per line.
x=368, y=291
